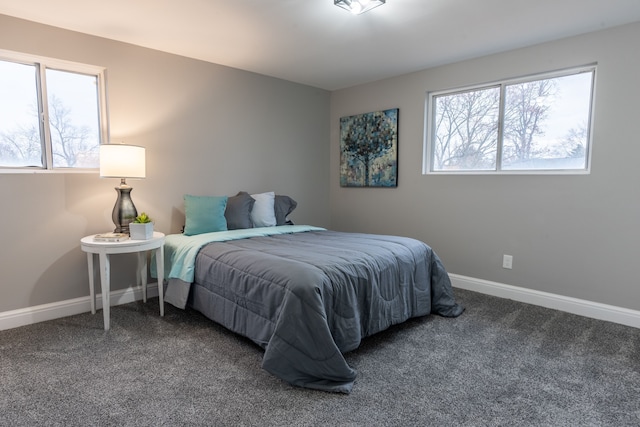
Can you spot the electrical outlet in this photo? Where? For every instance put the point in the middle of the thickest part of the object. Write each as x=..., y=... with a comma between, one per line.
x=507, y=262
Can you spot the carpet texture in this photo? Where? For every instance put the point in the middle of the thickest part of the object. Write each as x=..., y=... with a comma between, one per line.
x=502, y=363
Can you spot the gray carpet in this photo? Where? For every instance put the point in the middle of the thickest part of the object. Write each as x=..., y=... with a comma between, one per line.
x=502, y=363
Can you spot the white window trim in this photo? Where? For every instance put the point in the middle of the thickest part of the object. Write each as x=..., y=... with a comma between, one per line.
x=63, y=65
x=427, y=165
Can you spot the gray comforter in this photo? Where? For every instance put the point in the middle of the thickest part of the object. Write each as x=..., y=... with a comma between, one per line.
x=307, y=298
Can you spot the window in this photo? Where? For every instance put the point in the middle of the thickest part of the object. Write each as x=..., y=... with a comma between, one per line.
x=52, y=114
x=530, y=125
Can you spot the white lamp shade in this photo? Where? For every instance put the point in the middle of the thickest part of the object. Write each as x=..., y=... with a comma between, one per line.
x=122, y=161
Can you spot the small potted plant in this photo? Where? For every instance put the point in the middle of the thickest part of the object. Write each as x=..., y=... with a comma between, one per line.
x=141, y=228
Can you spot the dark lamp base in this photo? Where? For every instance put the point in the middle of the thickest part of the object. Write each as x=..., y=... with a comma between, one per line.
x=124, y=211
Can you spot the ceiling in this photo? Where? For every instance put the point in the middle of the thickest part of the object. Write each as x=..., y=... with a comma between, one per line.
x=316, y=43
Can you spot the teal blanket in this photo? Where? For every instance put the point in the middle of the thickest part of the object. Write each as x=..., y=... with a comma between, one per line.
x=180, y=251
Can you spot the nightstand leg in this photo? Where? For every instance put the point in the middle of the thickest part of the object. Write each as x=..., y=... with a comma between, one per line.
x=92, y=291
x=105, y=280
x=160, y=274
x=142, y=274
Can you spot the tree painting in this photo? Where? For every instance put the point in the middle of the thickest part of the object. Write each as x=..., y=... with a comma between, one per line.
x=369, y=149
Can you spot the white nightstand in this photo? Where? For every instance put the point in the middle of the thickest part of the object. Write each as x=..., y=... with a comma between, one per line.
x=104, y=249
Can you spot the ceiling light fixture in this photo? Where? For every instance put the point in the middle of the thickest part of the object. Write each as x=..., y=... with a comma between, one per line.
x=358, y=6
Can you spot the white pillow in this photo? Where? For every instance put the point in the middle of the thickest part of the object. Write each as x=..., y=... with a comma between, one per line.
x=263, y=212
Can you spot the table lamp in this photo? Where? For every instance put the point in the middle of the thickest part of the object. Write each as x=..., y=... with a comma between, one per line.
x=122, y=161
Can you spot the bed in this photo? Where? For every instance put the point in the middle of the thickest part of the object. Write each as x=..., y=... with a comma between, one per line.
x=305, y=294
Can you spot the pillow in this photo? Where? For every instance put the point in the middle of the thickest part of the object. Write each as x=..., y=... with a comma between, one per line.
x=238, y=211
x=283, y=206
x=204, y=214
x=263, y=213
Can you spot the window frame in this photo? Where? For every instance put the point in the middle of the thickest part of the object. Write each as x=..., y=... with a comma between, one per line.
x=429, y=131
x=41, y=64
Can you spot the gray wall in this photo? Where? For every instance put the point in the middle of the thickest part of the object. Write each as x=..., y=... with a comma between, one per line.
x=575, y=236
x=208, y=130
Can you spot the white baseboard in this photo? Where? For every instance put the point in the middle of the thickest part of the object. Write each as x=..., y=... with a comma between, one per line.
x=580, y=307
x=610, y=313
x=56, y=310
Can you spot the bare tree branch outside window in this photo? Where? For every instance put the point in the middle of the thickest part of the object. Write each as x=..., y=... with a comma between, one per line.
x=52, y=113
x=532, y=125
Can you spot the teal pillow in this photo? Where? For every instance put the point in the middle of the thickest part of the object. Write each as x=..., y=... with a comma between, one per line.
x=204, y=214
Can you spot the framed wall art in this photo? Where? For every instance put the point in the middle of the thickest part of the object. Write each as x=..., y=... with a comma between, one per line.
x=369, y=149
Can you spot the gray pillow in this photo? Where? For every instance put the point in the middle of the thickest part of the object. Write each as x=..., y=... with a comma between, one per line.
x=238, y=211
x=283, y=206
